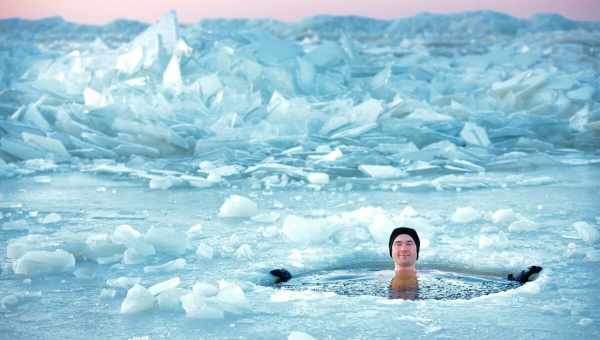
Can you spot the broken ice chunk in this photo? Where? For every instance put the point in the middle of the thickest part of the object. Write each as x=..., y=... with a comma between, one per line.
x=198, y=307
x=123, y=282
x=38, y=262
x=210, y=85
x=330, y=157
x=195, y=232
x=503, y=216
x=270, y=217
x=231, y=298
x=108, y=293
x=131, y=61
x=381, y=171
x=138, y=299
x=522, y=224
x=163, y=33
x=94, y=99
x=586, y=232
x=33, y=116
x=168, y=267
x=422, y=115
x=328, y=53
x=365, y=113
x=306, y=231
x=172, y=76
x=580, y=119
x=305, y=75
x=164, y=182
x=12, y=300
x=138, y=252
x=498, y=241
x=170, y=299
x=53, y=146
x=183, y=49
x=244, y=252
x=205, y=289
x=167, y=240
x=99, y=246
x=51, y=218
x=165, y=285
x=136, y=149
x=318, y=178
x=381, y=79
x=474, y=134
x=126, y=235
x=465, y=215
x=238, y=206
x=584, y=93
x=21, y=150
x=205, y=251
x=381, y=227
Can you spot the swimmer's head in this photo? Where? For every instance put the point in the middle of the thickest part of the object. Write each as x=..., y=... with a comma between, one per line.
x=407, y=231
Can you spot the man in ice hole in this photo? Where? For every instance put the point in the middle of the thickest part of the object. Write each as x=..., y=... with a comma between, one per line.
x=404, y=245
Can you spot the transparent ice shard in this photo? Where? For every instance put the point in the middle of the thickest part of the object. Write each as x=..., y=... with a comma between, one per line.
x=382, y=78
x=162, y=34
x=382, y=171
x=327, y=54
x=271, y=50
x=94, y=99
x=305, y=75
x=171, y=79
x=475, y=135
x=580, y=119
x=54, y=147
x=33, y=116
x=136, y=149
x=131, y=61
x=21, y=150
x=582, y=94
x=424, y=115
x=209, y=85
x=365, y=113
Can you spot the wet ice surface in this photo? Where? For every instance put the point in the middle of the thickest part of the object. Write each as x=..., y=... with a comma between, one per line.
x=152, y=175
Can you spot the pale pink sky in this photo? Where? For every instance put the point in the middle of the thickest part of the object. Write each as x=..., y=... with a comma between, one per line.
x=189, y=11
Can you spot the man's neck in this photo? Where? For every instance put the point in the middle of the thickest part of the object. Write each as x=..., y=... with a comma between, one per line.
x=405, y=270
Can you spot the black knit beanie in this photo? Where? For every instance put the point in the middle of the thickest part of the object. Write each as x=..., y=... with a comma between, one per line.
x=408, y=231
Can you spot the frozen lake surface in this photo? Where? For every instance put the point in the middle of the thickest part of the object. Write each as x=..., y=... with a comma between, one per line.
x=152, y=175
x=556, y=305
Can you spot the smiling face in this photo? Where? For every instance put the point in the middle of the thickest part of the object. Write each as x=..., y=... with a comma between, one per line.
x=404, y=252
